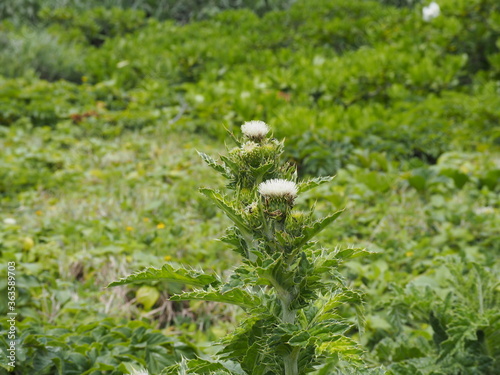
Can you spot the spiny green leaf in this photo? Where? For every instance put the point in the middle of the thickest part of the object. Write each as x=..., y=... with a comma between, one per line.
x=216, y=166
x=231, y=165
x=231, y=212
x=203, y=366
x=234, y=239
x=321, y=332
x=328, y=306
x=300, y=338
x=349, y=253
x=167, y=273
x=260, y=172
x=340, y=345
x=312, y=183
x=317, y=226
x=237, y=297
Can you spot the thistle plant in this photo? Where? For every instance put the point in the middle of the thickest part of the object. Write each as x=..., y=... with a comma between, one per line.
x=289, y=287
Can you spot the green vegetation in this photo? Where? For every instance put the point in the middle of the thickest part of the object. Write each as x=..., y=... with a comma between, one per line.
x=102, y=109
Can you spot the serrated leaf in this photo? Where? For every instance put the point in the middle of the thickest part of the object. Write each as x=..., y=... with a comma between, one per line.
x=167, y=273
x=214, y=165
x=323, y=330
x=203, y=366
x=260, y=172
x=301, y=338
x=230, y=164
x=318, y=226
x=345, y=297
x=234, y=239
x=349, y=253
x=340, y=345
x=231, y=238
x=231, y=212
x=312, y=183
x=235, y=296
x=130, y=368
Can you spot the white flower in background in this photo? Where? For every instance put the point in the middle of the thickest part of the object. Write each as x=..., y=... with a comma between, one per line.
x=431, y=11
x=9, y=221
x=484, y=210
x=278, y=188
x=255, y=129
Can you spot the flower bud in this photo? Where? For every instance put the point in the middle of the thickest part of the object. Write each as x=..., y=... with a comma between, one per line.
x=251, y=154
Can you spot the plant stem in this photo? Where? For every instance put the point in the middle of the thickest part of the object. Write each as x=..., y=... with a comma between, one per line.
x=291, y=362
x=288, y=315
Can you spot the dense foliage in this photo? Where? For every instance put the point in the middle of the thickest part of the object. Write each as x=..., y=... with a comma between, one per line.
x=102, y=107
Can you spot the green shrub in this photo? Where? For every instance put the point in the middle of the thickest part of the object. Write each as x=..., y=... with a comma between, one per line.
x=101, y=346
x=38, y=52
x=459, y=318
x=93, y=26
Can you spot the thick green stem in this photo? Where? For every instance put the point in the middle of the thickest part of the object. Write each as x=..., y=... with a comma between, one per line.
x=287, y=315
x=292, y=362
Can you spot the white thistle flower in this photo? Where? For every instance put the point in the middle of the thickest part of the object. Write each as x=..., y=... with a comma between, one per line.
x=431, y=11
x=278, y=188
x=255, y=129
x=9, y=221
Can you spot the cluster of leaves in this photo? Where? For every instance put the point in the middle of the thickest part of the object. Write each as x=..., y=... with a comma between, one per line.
x=458, y=319
x=104, y=346
x=92, y=26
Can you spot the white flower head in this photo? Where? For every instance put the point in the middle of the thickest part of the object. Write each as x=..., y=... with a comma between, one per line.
x=278, y=188
x=256, y=130
x=431, y=11
x=9, y=221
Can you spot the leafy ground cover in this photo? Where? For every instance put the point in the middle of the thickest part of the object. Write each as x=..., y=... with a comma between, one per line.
x=102, y=111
